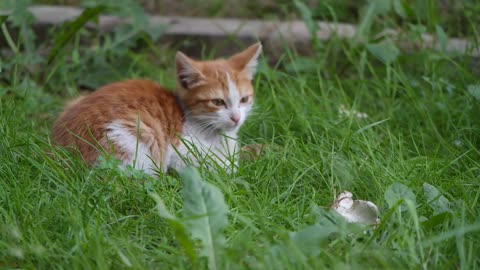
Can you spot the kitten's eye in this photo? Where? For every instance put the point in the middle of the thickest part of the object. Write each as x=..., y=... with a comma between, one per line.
x=218, y=102
x=244, y=99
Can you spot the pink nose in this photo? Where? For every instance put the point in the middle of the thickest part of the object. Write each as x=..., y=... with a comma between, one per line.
x=235, y=118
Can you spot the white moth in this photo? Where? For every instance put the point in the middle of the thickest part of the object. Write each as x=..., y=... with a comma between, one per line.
x=356, y=211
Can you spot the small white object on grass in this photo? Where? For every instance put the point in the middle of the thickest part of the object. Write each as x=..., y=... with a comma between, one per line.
x=356, y=211
x=345, y=112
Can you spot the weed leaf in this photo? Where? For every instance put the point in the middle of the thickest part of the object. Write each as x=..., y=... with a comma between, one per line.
x=437, y=220
x=309, y=239
x=399, y=8
x=381, y=6
x=436, y=200
x=155, y=31
x=177, y=227
x=205, y=214
x=386, y=52
x=72, y=28
x=442, y=38
x=396, y=192
x=474, y=90
x=3, y=18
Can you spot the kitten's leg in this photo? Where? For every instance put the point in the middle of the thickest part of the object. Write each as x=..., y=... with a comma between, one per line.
x=132, y=149
x=177, y=156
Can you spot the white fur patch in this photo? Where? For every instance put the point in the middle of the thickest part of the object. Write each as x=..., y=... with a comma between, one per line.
x=197, y=148
x=233, y=94
x=137, y=152
x=237, y=108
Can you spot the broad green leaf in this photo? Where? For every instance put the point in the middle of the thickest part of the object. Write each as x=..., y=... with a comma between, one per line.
x=416, y=31
x=442, y=38
x=436, y=220
x=17, y=10
x=177, y=227
x=205, y=214
x=436, y=200
x=155, y=31
x=386, y=52
x=381, y=6
x=396, y=192
x=3, y=17
x=474, y=90
x=399, y=8
x=72, y=28
x=309, y=239
x=21, y=17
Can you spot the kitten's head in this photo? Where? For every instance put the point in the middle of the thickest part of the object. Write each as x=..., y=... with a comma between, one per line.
x=218, y=94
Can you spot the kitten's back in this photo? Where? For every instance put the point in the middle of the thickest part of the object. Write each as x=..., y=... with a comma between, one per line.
x=86, y=121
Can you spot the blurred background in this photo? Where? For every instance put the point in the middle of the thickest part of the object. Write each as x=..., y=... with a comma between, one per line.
x=455, y=16
x=85, y=52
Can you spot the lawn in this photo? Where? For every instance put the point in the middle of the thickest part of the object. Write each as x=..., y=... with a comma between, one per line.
x=414, y=152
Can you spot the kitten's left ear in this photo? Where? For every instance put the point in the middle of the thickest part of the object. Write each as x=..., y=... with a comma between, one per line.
x=246, y=60
x=188, y=74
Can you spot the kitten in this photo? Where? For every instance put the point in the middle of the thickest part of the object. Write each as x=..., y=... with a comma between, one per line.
x=144, y=125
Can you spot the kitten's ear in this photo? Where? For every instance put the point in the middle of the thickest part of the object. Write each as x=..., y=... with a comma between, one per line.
x=188, y=75
x=246, y=61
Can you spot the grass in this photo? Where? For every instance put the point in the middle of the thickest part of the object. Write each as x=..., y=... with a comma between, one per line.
x=422, y=130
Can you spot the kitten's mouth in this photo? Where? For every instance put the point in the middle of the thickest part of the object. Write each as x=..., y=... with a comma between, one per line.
x=234, y=124
x=219, y=128
x=228, y=127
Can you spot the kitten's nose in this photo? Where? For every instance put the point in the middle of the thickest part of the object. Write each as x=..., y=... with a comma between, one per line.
x=235, y=118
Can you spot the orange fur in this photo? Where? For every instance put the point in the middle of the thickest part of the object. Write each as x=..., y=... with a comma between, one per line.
x=82, y=124
x=161, y=114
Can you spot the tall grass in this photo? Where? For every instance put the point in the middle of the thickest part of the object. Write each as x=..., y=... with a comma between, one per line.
x=416, y=156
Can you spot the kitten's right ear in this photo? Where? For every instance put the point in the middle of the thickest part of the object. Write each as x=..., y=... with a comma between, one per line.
x=188, y=75
x=246, y=60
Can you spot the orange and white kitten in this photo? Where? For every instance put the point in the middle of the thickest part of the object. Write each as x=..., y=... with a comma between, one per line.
x=144, y=125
